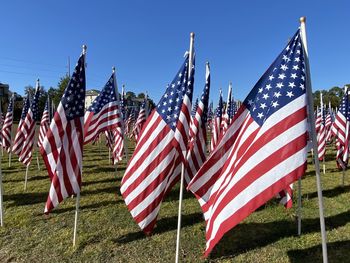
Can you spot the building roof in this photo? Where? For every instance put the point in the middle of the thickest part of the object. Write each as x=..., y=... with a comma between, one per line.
x=92, y=92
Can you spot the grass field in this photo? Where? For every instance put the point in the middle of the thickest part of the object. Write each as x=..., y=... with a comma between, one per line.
x=107, y=233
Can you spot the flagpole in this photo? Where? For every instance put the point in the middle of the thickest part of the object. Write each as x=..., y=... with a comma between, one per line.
x=26, y=178
x=78, y=194
x=324, y=125
x=299, y=206
x=314, y=140
x=183, y=166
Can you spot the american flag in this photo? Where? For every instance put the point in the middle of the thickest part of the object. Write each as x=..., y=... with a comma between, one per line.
x=123, y=102
x=329, y=122
x=227, y=117
x=263, y=151
x=286, y=196
x=210, y=117
x=194, y=108
x=340, y=130
x=321, y=132
x=118, y=146
x=196, y=154
x=62, y=149
x=156, y=164
x=44, y=123
x=28, y=128
x=104, y=112
x=216, y=125
x=19, y=138
x=141, y=118
x=7, y=127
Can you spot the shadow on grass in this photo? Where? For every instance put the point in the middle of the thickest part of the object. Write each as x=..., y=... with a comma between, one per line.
x=250, y=236
x=20, y=199
x=34, y=178
x=107, y=169
x=337, y=252
x=173, y=195
x=108, y=180
x=163, y=225
x=329, y=192
x=111, y=189
x=94, y=206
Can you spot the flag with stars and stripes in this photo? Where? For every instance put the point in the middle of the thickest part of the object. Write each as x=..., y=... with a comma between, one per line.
x=340, y=130
x=62, y=149
x=320, y=131
x=44, y=123
x=104, y=112
x=216, y=125
x=194, y=108
x=227, y=116
x=7, y=127
x=210, y=117
x=155, y=165
x=141, y=118
x=28, y=128
x=329, y=122
x=263, y=151
x=197, y=151
x=19, y=138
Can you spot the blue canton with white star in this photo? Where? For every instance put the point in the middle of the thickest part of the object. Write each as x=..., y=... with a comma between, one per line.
x=218, y=112
x=170, y=104
x=282, y=83
x=25, y=108
x=194, y=108
x=10, y=106
x=34, y=104
x=73, y=99
x=344, y=106
x=205, y=99
x=106, y=96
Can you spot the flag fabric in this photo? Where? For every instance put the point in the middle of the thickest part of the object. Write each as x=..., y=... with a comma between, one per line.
x=141, y=118
x=118, y=146
x=155, y=165
x=7, y=127
x=321, y=134
x=328, y=123
x=340, y=130
x=227, y=117
x=104, y=112
x=210, y=117
x=19, y=138
x=44, y=123
x=216, y=125
x=286, y=196
x=263, y=151
x=194, y=108
x=28, y=129
x=197, y=151
x=62, y=149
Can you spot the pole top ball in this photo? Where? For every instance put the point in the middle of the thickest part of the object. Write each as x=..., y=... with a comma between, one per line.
x=192, y=34
x=302, y=19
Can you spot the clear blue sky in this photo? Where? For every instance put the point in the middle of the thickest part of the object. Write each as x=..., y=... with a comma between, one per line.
x=146, y=40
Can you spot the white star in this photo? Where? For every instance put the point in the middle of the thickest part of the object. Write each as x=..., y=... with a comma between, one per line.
x=281, y=76
x=284, y=67
x=165, y=95
x=260, y=115
x=260, y=90
x=275, y=104
x=250, y=102
x=297, y=59
x=277, y=94
x=294, y=75
x=169, y=108
x=266, y=96
x=291, y=84
x=290, y=94
x=285, y=58
x=302, y=86
x=271, y=77
x=296, y=67
x=268, y=87
x=279, y=85
x=263, y=105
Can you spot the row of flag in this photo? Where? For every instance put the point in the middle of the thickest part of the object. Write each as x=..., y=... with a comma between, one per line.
x=256, y=151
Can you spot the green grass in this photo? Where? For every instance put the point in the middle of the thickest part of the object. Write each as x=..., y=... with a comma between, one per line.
x=107, y=233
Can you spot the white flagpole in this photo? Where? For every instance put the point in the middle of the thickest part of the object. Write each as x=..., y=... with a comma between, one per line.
x=314, y=140
x=183, y=166
x=26, y=178
x=123, y=127
x=324, y=157
x=78, y=194
x=299, y=206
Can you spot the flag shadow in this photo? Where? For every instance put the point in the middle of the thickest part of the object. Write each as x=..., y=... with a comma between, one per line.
x=34, y=178
x=330, y=193
x=22, y=199
x=92, y=207
x=108, y=180
x=163, y=225
x=337, y=252
x=250, y=236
